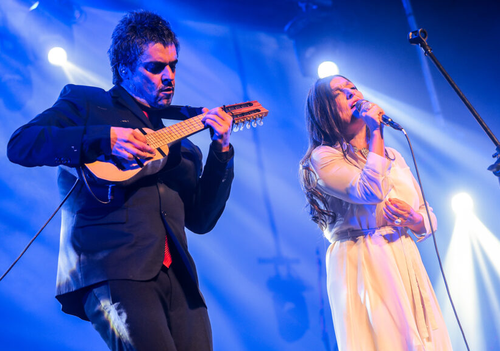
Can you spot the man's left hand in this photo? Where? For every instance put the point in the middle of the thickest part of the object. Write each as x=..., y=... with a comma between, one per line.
x=221, y=124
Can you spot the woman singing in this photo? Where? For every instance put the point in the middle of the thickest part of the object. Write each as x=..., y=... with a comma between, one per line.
x=366, y=200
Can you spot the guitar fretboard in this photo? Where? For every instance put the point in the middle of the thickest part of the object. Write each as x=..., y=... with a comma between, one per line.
x=242, y=113
x=175, y=132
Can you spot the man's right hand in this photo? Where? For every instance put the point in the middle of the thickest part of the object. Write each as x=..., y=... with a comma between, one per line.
x=128, y=143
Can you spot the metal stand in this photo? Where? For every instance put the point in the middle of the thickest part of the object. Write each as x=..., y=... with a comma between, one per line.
x=419, y=37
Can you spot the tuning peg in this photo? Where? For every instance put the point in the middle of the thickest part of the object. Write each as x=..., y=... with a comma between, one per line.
x=254, y=123
x=236, y=127
x=247, y=124
x=260, y=121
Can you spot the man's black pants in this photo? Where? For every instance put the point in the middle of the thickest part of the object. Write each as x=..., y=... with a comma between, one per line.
x=162, y=314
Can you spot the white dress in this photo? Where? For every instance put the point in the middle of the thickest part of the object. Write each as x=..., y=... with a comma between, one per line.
x=379, y=291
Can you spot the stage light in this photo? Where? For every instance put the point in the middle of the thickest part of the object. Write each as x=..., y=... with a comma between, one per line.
x=472, y=266
x=57, y=56
x=327, y=68
x=35, y=5
x=462, y=203
x=49, y=24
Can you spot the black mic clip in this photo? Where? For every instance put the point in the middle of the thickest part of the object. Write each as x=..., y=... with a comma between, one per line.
x=389, y=122
x=417, y=36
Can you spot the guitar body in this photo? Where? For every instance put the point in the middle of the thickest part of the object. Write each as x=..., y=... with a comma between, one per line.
x=123, y=172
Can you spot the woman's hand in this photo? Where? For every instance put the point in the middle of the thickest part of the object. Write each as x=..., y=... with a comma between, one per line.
x=372, y=115
x=400, y=214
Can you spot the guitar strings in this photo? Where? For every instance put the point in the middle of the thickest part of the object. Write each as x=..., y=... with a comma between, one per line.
x=174, y=132
x=192, y=125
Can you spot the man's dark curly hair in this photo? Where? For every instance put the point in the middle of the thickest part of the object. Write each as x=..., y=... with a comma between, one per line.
x=131, y=36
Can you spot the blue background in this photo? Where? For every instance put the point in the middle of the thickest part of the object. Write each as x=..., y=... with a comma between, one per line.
x=262, y=268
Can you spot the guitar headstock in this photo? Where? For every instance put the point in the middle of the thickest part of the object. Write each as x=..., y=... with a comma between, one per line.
x=246, y=114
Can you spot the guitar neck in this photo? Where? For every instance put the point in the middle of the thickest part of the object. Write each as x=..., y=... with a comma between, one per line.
x=242, y=113
x=175, y=132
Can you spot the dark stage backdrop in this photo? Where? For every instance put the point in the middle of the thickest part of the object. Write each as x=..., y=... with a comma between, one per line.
x=262, y=268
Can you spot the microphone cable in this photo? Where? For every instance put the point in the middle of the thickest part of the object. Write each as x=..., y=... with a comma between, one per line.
x=433, y=234
x=42, y=228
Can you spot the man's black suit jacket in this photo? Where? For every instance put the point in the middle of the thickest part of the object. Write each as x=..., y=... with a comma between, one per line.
x=125, y=238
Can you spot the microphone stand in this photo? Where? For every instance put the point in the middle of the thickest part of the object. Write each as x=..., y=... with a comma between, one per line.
x=419, y=37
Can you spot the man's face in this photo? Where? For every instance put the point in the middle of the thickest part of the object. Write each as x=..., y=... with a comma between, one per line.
x=152, y=82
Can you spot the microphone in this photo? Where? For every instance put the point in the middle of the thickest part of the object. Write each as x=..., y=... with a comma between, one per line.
x=386, y=120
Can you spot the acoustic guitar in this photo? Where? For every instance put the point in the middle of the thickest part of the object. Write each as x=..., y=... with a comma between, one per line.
x=124, y=172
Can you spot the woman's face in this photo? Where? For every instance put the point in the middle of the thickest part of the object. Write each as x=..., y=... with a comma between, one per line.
x=346, y=95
